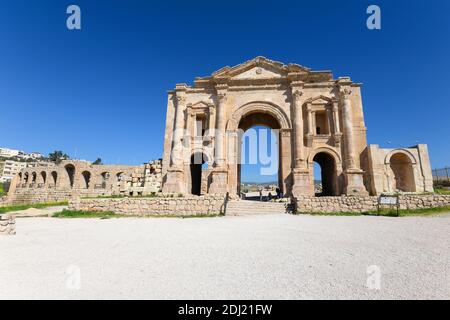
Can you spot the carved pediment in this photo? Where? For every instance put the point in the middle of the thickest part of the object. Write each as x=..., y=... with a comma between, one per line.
x=320, y=100
x=258, y=68
x=261, y=68
x=201, y=105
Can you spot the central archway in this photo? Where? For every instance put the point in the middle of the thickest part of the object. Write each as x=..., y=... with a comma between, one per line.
x=261, y=142
x=266, y=114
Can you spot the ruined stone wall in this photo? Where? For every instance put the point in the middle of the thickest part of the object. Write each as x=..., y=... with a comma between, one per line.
x=50, y=182
x=204, y=205
x=380, y=176
x=307, y=204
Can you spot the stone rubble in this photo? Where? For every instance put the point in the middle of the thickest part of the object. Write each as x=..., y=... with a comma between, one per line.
x=7, y=224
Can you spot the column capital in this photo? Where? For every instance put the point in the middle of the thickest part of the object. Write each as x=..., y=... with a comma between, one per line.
x=180, y=99
x=221, y=97
x=345, y=92
x=297, y=93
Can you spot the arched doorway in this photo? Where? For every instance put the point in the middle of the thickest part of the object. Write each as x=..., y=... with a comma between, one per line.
x=70, y=169
x=55, y=177
x=44, y=177
x=328, y=184
x=198, y=164
x=259, y=162
x=87, y=179
x=401, y=166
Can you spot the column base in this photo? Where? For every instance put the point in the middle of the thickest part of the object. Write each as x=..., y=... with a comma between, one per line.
x=219, y=179
x=354, y=183
x=174, y=181
x=302, y=184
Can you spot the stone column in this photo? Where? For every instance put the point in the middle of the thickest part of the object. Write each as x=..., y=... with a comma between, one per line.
x=219, y=175
x=177, y=150
x=310, y=120
x=299, y=159
x=302, y=184
x=348, y=129
x=353, y=175
x=337, y=127
x=175, y=174
x=220, y=130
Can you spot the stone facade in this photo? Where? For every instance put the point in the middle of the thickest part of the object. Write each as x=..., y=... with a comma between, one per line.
x=307, y=204
x=70, y=178
x=318, y=118
x=7, y=225
x=204, y=205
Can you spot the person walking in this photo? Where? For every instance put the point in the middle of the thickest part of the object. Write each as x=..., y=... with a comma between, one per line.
x=278, y=191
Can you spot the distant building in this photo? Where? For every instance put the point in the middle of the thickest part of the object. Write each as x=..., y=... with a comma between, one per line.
x=36, y=155
x=9, y=168
x=8, y=153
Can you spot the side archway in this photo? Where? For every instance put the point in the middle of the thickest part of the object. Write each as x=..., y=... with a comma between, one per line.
x=401, y=165
x=331, y=170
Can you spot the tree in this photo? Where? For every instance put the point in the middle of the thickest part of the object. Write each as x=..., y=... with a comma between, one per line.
x=57, y=156
x=98, y=161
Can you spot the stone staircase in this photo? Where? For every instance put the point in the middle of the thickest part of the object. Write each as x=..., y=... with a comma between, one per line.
x=249, y=207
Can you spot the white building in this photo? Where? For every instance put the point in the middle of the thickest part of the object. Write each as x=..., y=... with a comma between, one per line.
x=7, y=153
x=9, y=168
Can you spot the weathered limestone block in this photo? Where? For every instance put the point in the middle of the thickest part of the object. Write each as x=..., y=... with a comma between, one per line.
x=7, y=225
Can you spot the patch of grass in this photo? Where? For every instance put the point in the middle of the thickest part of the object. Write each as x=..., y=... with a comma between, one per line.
x=21, y=207
x=344, y=214
x=441, y=190
x=387, y=213
x=85, y=214
x=109, y=214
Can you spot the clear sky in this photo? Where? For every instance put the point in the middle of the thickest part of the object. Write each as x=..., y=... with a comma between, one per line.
x=101, y=91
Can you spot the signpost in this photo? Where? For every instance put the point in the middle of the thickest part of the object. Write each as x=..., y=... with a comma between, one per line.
x=389, y=200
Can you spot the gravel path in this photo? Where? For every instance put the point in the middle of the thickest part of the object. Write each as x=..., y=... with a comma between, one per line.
x=263, y=257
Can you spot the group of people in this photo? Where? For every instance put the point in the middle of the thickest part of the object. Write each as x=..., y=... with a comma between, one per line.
x=270, y=196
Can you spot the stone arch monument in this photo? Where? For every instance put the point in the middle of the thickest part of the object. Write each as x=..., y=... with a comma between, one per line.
x=318, y=118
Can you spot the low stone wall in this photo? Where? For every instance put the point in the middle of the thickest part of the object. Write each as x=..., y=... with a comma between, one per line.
x=203, y=205
x=30, y=196
x=366, y=204
x=7, y=224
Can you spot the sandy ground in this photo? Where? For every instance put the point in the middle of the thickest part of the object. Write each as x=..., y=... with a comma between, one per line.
x=263, y=257
x=38, y=212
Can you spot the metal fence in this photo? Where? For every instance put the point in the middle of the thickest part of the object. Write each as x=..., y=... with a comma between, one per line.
x=441, y=175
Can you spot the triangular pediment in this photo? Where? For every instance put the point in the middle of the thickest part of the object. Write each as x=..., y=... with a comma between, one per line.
x=200, y=105
x=320, y=100
x=259, y=73
x=261, y=68
x=258, y=68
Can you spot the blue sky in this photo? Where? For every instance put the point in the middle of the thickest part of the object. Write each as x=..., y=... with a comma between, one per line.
x=101, y=91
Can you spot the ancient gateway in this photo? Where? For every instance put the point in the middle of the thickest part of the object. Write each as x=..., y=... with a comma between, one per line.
x=319, y=119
